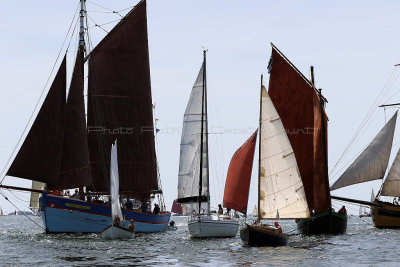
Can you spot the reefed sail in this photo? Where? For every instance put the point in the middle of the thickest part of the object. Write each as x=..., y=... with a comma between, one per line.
x=281, y=187
x=371, y=164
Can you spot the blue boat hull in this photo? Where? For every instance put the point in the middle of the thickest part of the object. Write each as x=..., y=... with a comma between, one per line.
x=67, y=215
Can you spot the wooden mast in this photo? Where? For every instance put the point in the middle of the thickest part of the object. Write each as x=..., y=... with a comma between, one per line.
x=259, y=153
x=324, y=144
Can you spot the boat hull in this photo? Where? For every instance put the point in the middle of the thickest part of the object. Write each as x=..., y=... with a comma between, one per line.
x=66, y=215
x=387, y=216
x=116, y=232
x=255, y=235
x=331, y=223
x=213, y=228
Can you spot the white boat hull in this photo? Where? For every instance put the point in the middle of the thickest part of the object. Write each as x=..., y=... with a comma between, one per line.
x=213, y=228
x=116, y=232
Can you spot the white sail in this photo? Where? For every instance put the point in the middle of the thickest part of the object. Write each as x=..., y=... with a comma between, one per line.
x=114, y=183
x=189, y=163
x=34, y=201
x=255, y=211
x=371, y=164
x=391, y=185
x=372, y=195
x=281, y=187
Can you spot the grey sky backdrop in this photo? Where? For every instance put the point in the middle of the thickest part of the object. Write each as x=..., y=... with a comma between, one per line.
x=352, y=44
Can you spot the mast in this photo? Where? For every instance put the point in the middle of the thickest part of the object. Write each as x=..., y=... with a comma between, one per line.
x=324, y=150
x=203, y=117
x=259, y=153
x=82, y=25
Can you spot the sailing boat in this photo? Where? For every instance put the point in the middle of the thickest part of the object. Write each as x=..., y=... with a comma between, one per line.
x=371, y=165
x=302, y=111
x=193, y=177
x=65, y=152
x=115, y=230
x=363, y=212
x=280, y=188
x=177, y=209
x=34, y=201
x=255, y=212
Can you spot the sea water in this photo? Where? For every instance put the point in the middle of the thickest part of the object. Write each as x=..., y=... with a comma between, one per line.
x=24, y=243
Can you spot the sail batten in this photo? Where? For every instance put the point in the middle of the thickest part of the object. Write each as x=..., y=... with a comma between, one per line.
x=281, y=187
x=237, y=183
x=190, y=148
x=371, y=164
x=119, y=66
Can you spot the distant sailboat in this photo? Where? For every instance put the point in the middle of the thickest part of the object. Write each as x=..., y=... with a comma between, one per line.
x=280, y=188
x=177, y=209
x=34, y=201
x=68, y=148
x=371, y=165
x=302, y=111
x=255, y=212
x=363, y=212
x=193, y=177
x=116, y=229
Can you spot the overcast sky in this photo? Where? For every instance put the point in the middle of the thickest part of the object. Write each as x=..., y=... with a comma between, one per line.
x=353, y=46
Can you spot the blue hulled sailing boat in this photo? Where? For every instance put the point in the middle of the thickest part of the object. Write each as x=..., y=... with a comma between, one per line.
x=65, y=150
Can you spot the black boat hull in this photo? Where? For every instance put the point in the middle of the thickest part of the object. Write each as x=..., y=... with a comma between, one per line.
x=262, y=236
x=331, y=223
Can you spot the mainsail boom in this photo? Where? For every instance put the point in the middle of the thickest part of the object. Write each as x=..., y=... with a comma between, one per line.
x=371, y=164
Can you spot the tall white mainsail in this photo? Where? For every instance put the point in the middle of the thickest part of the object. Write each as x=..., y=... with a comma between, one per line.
x=114, y=183
x=391, y=185
x=371, y=164
x=189, y=163
x=281, y=187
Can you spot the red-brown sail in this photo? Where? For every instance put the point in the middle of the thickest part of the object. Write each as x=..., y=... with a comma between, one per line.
x=75, y=164
x=39, y=156
x=176, y=207
x=120, y=107
x=297, y=102
x=237, y=183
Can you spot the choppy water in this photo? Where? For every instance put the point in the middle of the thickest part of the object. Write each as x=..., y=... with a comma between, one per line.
x=23, y=243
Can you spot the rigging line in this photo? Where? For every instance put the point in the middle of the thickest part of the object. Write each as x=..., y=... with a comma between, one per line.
x=112, y=11
x=333, y=173
x=366, y=118
x=17, y=197
x=99, y=25
x=2, y=173
x=1, y=192
x=95, y=24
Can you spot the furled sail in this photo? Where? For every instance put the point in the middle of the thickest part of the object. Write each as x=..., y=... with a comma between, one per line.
x=75, y=163
x=281, y=186
x=114, y=183
x=237, y=183
x=391, y=185
x=39, y=157
x=297, y=104
x=120, y=107
x=371, y=164
x=189, y=163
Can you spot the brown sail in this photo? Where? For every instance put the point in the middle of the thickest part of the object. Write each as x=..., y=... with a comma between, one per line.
x=297, y=103
x=75, y=163
x=39, y=156
x=120, y=107
x=237, y=183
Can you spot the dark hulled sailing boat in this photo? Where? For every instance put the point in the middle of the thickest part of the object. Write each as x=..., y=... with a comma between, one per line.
x=301, y=109
x=280, y=188
x=64, y=152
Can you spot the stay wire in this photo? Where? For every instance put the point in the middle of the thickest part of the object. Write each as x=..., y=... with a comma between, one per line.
x=2, y=174
x=23, y=213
